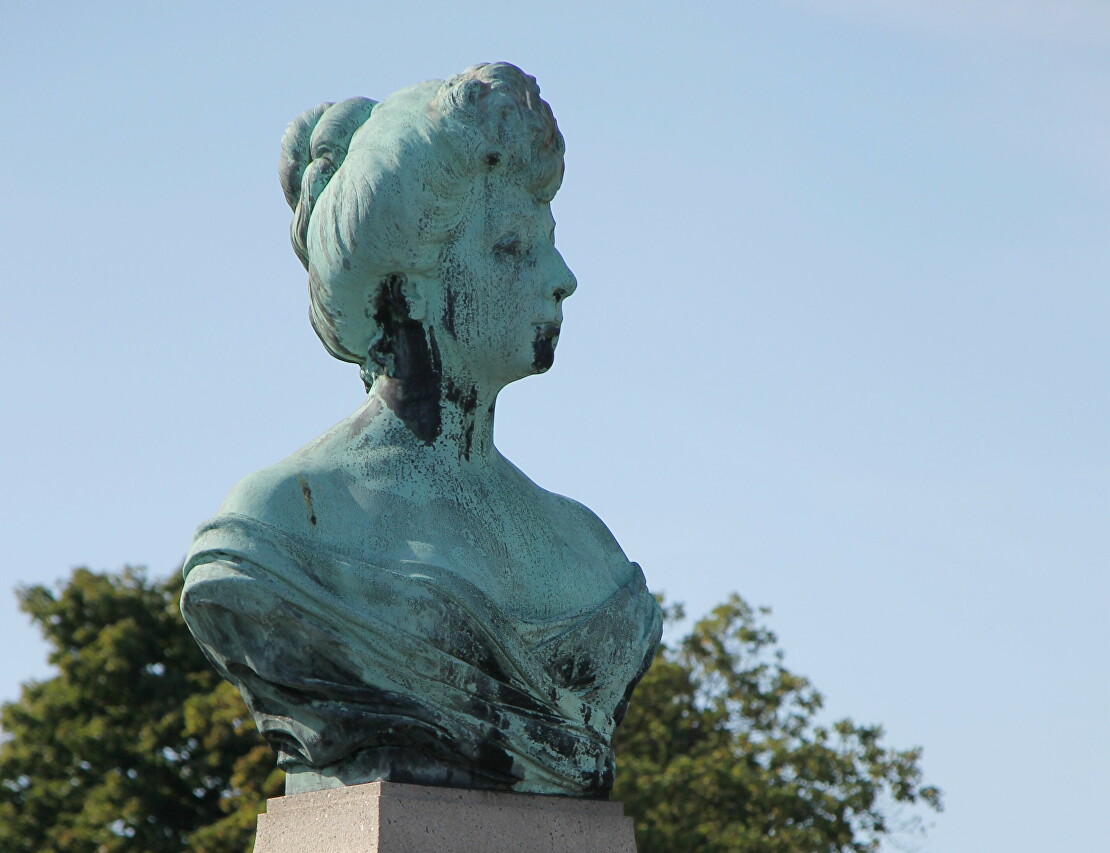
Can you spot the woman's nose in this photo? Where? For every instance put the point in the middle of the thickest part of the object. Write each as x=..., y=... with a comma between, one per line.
x=562, y=281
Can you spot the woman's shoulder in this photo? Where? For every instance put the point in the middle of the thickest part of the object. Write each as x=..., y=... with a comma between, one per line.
x=319, y=500
x=590, y=535
x=285, y=496
x=587, y=520
x=572, y=515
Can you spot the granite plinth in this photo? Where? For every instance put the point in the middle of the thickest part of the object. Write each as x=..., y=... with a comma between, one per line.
x=388, y=817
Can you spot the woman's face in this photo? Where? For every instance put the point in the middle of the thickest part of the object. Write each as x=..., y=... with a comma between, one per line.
x=503, y=283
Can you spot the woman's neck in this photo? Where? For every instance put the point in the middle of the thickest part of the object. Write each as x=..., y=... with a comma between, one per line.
x=452, y=418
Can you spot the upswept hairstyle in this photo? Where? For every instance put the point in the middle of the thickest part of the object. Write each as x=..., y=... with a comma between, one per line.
x=378, y=188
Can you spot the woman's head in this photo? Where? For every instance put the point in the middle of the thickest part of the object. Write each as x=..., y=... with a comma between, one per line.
x=379, y=190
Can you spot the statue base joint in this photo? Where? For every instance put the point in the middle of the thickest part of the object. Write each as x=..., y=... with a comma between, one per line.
x=389, y=817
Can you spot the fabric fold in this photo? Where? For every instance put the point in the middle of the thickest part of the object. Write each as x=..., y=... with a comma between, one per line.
x=407, y=672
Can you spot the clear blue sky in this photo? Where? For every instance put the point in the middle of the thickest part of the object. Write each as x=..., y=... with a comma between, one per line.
x=840, y=340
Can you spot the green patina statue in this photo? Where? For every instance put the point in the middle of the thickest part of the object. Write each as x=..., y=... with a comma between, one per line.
x=395, y=600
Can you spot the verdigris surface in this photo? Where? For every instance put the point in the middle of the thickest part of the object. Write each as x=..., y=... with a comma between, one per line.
x=396, y=600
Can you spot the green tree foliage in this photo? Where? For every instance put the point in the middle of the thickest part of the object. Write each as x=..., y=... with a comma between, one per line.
x=137, y=745
x=721, y=750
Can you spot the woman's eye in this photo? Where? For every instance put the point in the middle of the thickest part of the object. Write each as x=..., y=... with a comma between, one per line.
x=507, y=246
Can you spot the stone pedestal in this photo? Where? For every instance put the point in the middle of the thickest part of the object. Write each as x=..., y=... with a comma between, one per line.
x=387, y=817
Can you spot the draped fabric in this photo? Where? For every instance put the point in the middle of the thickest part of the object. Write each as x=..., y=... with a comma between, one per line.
x=408, y=673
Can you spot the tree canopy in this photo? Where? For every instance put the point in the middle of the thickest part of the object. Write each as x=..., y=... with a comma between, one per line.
x=136, y=744
x=723, y=750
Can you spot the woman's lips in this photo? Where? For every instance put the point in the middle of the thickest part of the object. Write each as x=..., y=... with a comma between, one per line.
x=547, y=331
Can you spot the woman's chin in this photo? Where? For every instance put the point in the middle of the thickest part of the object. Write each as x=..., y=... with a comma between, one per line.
x=543, y=354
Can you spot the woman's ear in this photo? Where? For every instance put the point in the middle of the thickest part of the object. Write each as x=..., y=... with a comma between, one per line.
x=415, y=293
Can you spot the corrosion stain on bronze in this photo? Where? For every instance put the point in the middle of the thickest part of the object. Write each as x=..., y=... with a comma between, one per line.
x=412, y=387
x=306, y=493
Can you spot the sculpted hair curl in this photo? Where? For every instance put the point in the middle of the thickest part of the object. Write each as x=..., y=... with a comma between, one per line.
x=378, y=188
x=313, y=147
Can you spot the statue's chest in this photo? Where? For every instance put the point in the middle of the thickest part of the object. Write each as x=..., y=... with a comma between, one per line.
x=517, y=545
x=537, y=570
